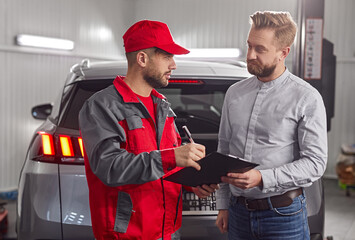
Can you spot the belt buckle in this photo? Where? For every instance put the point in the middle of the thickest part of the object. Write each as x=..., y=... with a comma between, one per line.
x=247, y=205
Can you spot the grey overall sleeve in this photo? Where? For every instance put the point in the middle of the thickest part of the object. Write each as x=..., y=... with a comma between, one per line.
x=102, y=137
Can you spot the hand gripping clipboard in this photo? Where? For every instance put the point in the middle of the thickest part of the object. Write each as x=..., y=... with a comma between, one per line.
x=213, y=167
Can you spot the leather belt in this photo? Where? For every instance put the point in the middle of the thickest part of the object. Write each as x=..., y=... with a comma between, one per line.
x=282, y=200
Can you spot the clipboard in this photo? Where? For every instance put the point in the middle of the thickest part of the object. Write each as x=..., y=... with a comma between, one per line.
x=213, y=167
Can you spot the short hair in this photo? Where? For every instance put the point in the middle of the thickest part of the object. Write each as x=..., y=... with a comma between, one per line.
x=131, y=56
x=282, y=23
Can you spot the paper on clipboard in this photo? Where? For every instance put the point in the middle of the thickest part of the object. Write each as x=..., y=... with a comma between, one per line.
x=213, y=167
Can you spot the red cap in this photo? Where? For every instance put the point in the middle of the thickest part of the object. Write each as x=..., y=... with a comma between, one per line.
x=147, y=34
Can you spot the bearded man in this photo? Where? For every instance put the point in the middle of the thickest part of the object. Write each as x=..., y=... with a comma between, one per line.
x=131, y=142
x=278, y=121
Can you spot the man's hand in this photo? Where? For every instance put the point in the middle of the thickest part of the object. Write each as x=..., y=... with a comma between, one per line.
x=187, y=155
x=222, y=221
x=249, y=179
x=205, y=190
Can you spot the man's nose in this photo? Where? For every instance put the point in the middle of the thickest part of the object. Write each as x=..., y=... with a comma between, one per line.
x=251, y=54
x=173, y=64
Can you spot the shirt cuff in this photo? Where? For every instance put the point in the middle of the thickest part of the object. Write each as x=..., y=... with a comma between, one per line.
x=269, y=180
x=223, y=196
x=168, y=159
x=222, y=203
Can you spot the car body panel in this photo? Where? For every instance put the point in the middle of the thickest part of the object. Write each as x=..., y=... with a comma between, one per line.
x=200, y=228
x=39, y=202
x=75, y=203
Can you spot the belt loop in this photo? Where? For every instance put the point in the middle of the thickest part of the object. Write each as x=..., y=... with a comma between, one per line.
x=270, y=203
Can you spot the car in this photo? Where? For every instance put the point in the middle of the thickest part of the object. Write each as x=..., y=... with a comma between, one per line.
x=53, y=199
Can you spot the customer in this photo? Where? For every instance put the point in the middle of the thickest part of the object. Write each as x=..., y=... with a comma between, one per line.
x=131, y=142
x=277, y=120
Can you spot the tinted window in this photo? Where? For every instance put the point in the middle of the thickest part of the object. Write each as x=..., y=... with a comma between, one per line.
x=198, y=107
x=75, y=96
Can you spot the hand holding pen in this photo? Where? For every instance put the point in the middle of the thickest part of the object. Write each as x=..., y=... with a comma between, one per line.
x=204, y=190
x=188, y=134
x=187, y=155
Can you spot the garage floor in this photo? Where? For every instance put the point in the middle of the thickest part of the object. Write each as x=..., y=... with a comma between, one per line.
x=339, y=213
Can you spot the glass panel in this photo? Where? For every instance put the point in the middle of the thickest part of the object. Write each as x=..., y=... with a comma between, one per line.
x=198, y=108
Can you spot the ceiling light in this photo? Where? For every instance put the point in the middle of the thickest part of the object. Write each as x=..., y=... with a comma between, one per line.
x=44, y=42
x=213, y=53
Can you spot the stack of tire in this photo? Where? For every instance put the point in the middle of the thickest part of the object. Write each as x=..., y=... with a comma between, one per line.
x=345, y=167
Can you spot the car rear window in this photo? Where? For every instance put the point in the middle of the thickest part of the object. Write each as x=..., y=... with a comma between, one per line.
x=197, y=106
x=74, y=98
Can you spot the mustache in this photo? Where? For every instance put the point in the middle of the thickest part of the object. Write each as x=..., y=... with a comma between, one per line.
x=253, y=61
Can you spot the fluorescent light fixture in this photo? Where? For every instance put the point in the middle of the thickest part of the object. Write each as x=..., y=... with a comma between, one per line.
x=44, y=42
x=213, y=53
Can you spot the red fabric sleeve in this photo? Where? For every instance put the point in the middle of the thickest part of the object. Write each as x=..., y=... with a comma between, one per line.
x=187, y=188
x=168, y=159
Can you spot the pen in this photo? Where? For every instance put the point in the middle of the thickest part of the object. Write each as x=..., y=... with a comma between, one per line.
x=188, y=134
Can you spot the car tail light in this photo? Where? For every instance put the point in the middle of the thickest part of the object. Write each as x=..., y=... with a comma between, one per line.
x=66, y=146
x=186, y=81
x=47, y=144
x=81, y=145
x=57, y=149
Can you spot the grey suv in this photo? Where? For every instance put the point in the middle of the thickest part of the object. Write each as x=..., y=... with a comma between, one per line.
x=53, y=201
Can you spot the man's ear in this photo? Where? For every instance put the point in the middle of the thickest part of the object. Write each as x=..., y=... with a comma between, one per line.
x=142, y=58
x=284, y=53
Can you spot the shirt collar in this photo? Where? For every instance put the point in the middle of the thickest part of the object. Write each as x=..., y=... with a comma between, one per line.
x=274, y=82
x=126, y=92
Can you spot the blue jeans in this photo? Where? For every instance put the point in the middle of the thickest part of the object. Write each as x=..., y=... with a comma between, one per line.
x=284, y=223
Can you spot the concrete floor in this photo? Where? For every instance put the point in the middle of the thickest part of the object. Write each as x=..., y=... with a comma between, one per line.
x=339, y=213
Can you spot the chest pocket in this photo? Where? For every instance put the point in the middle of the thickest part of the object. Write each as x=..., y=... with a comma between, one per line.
x=140, y=136
x=170, y=137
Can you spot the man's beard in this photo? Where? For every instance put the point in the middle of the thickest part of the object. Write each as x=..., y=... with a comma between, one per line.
x=258, y=70
x=154, y=79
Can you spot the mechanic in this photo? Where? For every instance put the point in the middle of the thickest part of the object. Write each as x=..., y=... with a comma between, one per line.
x=131, y=142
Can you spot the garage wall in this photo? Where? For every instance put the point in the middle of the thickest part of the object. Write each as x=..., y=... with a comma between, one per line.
x=224, y=23
x=209, y=23
x=32, y=76
x=339, y=28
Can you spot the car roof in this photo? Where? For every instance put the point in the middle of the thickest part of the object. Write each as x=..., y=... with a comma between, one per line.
x=88, y=70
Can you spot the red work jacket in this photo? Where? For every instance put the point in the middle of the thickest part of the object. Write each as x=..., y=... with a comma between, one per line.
x=127, y=154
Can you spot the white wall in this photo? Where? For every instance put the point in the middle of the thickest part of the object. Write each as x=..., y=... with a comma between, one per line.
x=32, y=76
x=209, y=23
x=29, y=77
x=339, y=28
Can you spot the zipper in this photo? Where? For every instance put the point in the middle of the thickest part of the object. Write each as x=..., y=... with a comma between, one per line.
x=162, y=109
x=150, y=117
x=162, y=231
x=177, y=206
